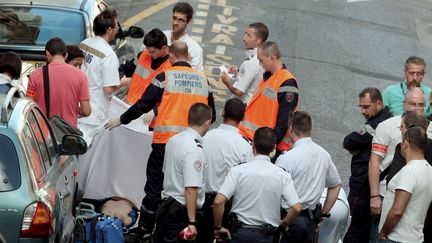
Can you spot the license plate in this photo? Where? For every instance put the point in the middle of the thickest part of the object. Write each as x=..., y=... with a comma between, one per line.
x=36, y=64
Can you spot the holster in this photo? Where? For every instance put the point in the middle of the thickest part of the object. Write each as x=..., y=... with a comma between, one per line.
x=171, y=208
x=233, y=223
x=317, y=213
x=268, y=229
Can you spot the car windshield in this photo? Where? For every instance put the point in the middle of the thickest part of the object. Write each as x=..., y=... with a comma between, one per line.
x=35, y=26
x=10, y=178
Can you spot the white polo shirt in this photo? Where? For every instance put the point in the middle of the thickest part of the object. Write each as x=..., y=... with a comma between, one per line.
x=257, y=188
x=224, y=148
x=101, y=67
x=249, y=75
x=415, y=178
x=195, y=50
x=184, y=164
x=311, y=168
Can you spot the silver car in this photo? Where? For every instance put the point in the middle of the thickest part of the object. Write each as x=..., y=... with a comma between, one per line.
x=37, y=174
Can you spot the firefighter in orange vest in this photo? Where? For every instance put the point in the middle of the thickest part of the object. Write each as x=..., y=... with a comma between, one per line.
x=153, y=60
x=174, y=91
x=275, y=99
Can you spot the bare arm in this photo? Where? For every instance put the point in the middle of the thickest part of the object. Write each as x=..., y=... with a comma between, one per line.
x=373, y=172
x=292, y=213
x=218, y=211
x=226, y=80
x=84, y=109
x=111, y=89
x=191, y=195
x=332, y=195
x=395, y=214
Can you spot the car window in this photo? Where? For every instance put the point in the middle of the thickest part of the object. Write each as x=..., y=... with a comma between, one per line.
x=28, y=25
x=39, y=140
x=10, y=178
x=33, y=153
x=47, y=133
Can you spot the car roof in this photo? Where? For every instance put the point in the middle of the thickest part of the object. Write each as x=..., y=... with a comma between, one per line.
x=71, y=4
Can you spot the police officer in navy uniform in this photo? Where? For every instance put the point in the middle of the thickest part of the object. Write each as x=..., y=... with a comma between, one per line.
x=183, y=183
x=257, y=187
x=173, y=91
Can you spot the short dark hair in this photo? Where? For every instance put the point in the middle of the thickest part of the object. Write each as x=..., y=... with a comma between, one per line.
x=416, y=137
x=155, y=38
x=73, y=51
x=374, y=94
x=264, y=140
x=56, y=46
x=179, y=49
x=10, y=63
x=234, y=110
x=199, y=113
x=184, y=8
x=412, y=118
x=415, y=60
x=104, y=21
x=301, y=123
x=261, y=30
x=270, y=48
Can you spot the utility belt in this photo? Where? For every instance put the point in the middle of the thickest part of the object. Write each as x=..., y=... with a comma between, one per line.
x=235, y=224
x=313, y=215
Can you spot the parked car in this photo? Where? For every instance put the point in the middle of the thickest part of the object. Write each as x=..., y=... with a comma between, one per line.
x=27, y=25
x=38, y=172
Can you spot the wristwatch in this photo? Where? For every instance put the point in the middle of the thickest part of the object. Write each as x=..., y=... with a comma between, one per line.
x=325, y=215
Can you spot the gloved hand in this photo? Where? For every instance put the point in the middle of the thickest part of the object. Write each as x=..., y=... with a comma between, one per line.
x=148, y=117
x=113, y=123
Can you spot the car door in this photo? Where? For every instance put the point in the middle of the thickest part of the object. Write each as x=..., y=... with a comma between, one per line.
x=60, y=173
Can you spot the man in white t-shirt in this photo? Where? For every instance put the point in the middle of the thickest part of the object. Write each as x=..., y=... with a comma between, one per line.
x=101, y=67
x=384, y=142
x=250, y=72
x=409, y=193
x=182, y=16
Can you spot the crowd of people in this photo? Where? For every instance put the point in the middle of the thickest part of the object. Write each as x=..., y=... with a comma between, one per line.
x=258, y=176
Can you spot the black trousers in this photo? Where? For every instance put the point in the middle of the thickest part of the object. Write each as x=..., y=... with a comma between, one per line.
x=361, y=219
x=302, y=230
x=154, y=184
x=246, y=235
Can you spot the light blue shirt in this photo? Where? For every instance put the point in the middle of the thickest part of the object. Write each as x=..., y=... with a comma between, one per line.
x=394, y=95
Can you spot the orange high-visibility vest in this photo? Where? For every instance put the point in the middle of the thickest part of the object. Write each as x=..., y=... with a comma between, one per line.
x=143, y=76
x=263, y=108
x=183, y=87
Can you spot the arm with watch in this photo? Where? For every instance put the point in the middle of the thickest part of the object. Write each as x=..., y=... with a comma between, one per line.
x=191, y=195
x=218, y=211
x=332, y=195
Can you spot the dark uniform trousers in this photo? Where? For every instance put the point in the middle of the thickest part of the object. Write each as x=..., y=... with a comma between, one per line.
x=154, y=184
x=359, y=201
x=251, y=235
x=171, y=218
x=304, y=227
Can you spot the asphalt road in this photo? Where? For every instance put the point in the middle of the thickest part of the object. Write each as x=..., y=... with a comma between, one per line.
x=335, y=48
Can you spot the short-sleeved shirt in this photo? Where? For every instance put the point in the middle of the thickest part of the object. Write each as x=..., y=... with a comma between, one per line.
x=258, y=188
x=101, y=67
x=249, y=75
x=224, y=148
x=184, y=164
x=394, y=95
x=311, y=168
x=195, y=50
x=68, y=86
x=387, y=136
x=415, y=178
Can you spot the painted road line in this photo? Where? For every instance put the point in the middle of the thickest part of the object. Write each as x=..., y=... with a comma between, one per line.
x=149, y=11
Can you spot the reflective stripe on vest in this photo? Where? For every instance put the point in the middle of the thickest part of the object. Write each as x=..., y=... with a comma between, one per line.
x=270, y=93
x=289, y=89
x=158, y=83
x=249, y=125
x=184, y=87
x=142, y=71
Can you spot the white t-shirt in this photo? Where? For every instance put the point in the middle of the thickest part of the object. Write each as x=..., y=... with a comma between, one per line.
x=311, y=169
x=248, y=77
x=257, y=188
x=224, y=148
x=183, y=166
x=101, y=67
x=195, y=50
x=415, y=178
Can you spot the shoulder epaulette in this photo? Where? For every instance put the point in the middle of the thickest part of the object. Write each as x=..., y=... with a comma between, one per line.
x=198, y=143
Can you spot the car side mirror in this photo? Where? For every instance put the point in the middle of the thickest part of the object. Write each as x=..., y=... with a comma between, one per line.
x=73, y=145
x=134, y=32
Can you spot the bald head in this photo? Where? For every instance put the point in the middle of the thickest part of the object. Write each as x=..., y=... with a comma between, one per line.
x=269, y=49
x=415, y=100
x=179, y=49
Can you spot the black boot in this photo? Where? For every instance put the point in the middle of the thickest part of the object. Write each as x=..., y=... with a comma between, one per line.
x=145, y=225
